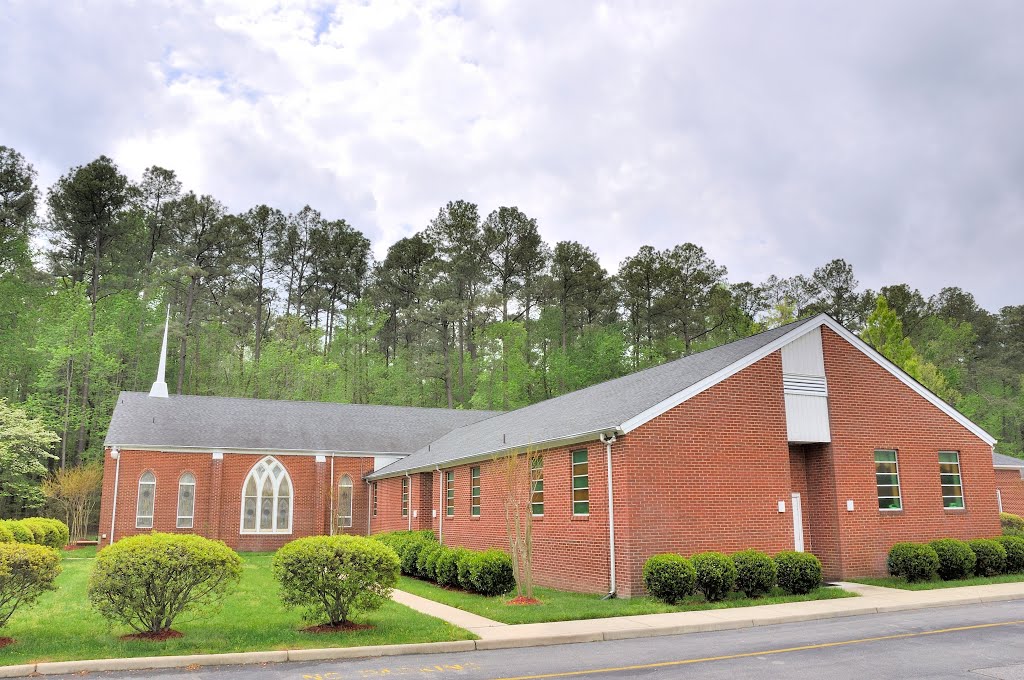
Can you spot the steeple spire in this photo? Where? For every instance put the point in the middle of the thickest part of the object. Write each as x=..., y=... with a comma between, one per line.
x=159, y=388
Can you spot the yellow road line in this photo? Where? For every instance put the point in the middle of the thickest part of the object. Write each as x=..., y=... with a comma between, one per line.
x=786, y=650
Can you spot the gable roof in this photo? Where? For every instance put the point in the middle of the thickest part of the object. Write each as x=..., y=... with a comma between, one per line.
x=235, y=424
x=623, y=404
x=1000, y=460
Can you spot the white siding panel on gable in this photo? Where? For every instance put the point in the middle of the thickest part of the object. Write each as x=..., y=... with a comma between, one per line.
x=803, y=356
x=381, y=461
x=807, y=418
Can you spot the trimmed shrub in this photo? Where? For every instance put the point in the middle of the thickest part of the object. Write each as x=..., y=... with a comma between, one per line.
x=431, y=563
x=21, y=533
x=1014, y=547
x=1013, y=525
x=446, y=567
x=38, y=529
x=798, y=573
x=26, y=572
x=464, y=566
x=6, y=535
x=55, y=534
x=491, y=573
x=424, y=567
x=990, y=557
x=956, y=559
x=193, y=574
x=330, y=577
x=409, y=553
x=756, y=572
x=669, y=577
x=913, y=561
x=715, y=575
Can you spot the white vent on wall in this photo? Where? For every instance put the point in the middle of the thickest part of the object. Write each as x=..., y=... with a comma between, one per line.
x=805, y=384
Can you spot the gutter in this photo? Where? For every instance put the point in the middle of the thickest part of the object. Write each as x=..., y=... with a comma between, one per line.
x=608, y=441
x=440, y=504
x=115, y=453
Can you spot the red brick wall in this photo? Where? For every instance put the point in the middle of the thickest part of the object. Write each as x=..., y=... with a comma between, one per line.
x=1011, y=487
x=219, y=495
x=870, y=409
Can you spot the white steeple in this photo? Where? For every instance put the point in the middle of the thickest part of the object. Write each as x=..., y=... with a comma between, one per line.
x=159, y=388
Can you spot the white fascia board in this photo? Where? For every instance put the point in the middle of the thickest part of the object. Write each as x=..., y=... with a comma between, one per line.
x=752, y=358
x=715, y=378
x=1008, y=467
x=262, y=452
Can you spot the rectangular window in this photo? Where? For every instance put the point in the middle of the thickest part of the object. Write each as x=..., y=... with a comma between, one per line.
x=887, y=480
x=405, y=496
x=949, y=473
x=474, y=491
x=449, y=490
x=537, y=486
x=375, y=499
x=580, y=483
x=186, y=501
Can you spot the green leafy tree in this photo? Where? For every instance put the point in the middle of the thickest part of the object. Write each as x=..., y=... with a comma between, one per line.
x=25, y=448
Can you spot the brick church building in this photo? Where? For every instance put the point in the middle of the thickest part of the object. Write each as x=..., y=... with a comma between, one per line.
x=801, y=437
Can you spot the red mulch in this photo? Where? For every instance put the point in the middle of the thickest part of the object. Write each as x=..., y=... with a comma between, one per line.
x=154, y=637
x=72, y=546
x=6, y=641
x=522, y=601
x=341, y=628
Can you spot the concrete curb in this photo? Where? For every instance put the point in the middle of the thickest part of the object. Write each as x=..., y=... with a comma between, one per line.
x=336, y=653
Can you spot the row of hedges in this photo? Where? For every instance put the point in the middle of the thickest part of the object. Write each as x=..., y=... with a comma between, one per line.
x=328, y=577
x=671, y=578
x=1012, y=525
x=951, y=559
x=487, y=572
x=51, y=533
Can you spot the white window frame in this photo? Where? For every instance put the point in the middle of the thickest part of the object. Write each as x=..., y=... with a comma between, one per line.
x=536, y=466
x=475, y=495
x=191, y=519
x=405, y=496
x=960, y=475
x=138, y=501
x=449, y=493
x=573, y=489
x=259, y=472
x=374, y=499
x=345, y=521
x=899, y=487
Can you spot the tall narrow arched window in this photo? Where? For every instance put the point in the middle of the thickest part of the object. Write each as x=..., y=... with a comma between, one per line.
x=144, y=508
x=345, y=502
x=186, y=501
x=267, y=499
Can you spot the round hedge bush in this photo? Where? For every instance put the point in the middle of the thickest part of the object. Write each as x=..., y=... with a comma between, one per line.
x=715, y=575
x=491, y=573
x=26, y=572
x=798, y=572
x=446, y=567
x=6, y=535
x=1012, y=525
x=464, y=567
x=756, y=572
x=55, y=534
x=409, y=554
x=21, y=533
x=424, y=566
x=956, y=559
x=669, y=577
x=913, y=562
x=990, y=557
x=39, y=530
x=193, y=574
x=330, y=577
x=1014, y=547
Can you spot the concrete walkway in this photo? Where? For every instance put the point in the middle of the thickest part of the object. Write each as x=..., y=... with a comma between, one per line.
x=871, y=600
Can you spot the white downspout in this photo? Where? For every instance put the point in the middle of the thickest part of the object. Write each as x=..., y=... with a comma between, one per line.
x=332, y=517
x=115, y=453
x=369, y=507
x=408, y=502
x=608, y=441
x=440, y=505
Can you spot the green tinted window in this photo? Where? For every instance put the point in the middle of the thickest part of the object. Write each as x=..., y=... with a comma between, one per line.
x=949, y=476
x=887, y=480
x=474, y=491
x=449, y=485
x=537, y=486
x=580, y=483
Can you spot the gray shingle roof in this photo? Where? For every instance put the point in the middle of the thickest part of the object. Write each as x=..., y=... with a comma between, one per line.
x=230, y=424
x=1006, y=461
x=601, y=407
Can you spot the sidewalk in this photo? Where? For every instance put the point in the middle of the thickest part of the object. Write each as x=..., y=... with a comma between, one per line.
x=496, y=635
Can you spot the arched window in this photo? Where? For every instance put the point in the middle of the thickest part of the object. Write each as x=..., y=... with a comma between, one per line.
x=186, y=500
x=267, y=499
x=147, y=494
x=345, y=502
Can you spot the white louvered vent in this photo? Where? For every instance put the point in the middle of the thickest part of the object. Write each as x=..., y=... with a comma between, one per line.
x=805, y=384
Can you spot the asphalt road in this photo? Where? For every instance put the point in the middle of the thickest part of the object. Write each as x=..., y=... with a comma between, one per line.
x=975, y=641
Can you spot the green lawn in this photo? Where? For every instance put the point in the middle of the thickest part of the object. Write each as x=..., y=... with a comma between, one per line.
x=63, y=627
x=893, y=582
x=559, y=605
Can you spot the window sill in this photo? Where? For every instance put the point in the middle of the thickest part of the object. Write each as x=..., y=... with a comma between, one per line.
x=265, y=533
x=954, y=510
x=580, y=518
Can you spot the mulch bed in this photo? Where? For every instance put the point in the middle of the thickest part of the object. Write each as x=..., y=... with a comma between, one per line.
x=341, y=628
x=154, y=637
x=4, y=641
x=524, y=601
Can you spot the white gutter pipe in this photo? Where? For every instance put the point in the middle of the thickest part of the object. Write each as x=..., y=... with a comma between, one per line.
x=608, y=441
x=408, y=502
x=115, y=453
x=369, y=507
x=332, y=516
x=440, y=505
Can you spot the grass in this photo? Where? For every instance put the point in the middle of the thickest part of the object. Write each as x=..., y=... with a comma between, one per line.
x=62, y=626
x=559, y=605
x=902, y=584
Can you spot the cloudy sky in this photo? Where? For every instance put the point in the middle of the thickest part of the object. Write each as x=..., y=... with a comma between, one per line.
x=778, y=135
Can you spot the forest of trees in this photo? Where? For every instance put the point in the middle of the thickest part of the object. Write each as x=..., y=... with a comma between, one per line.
x=475, y=310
